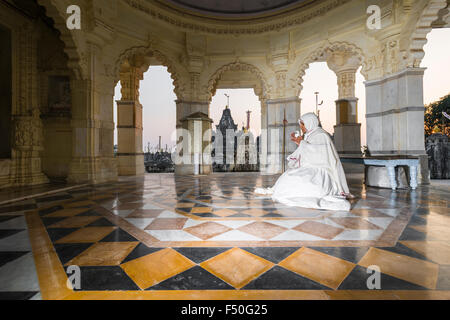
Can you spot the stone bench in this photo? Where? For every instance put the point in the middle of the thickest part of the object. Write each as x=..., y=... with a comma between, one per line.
x=390, y=162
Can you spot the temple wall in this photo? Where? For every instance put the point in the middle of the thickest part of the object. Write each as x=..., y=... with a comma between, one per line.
x=270, y=55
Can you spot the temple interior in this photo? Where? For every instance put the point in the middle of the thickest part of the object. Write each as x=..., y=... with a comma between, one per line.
x=73, y=207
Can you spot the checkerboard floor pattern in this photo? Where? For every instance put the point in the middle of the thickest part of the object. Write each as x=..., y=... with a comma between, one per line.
x=163, y=232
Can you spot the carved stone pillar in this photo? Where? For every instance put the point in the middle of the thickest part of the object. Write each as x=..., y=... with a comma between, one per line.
x=189, y=113
x=276, y=110
x=92, y=133
x=129, y=124
x=26, y=165
x=27, y=148
x=196, y=145
x=395, y=116
x=347, y=131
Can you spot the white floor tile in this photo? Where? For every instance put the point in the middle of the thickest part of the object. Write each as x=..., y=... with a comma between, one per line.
x=235, y=235
x=359, y=235
x=292, y=235
x=17, y=242
x=19, y=275
x=380, y=222
x=15, y=223
x=172, y=235
x=140, y=223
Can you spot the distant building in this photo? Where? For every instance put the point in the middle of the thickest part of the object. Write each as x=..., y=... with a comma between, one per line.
x=234, y=150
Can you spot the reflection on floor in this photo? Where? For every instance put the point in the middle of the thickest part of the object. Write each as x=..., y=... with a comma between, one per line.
x=157, y=236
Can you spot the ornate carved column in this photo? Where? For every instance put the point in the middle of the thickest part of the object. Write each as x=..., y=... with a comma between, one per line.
x=187, y=112
x=395, y=117
x=276, y=110
x=129, y=123
x=26, y=166
x=347, y=131
x=92, y=129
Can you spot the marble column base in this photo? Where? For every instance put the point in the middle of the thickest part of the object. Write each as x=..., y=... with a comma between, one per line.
x=130, y=165
x=92, y=170
x=347, y=138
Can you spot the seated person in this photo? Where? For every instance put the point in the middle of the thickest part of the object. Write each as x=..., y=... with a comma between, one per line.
x=315, y=178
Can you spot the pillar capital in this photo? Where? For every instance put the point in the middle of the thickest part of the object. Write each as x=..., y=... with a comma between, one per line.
x=346, y=83
x=130, y=78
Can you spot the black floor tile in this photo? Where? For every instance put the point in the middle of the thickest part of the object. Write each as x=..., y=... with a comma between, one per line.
x=417, y=221
x=206, y=215
x=357, y=280
x=186, y=210
x=57, y=233
x=89, y=213
x=195, y=278
x=49, y=210
x=54, y=198
x=17, y=208
x=273, y=215
x=119, y=235
x=49, y=221
x=9, y=232
x=102, y=222
x=273, y=254
x=411, y=234
x=139, y=251
x=105, y=278
x=404, y=250
x=279, y=278
x=239, y=215
x=68, y=251
x=6, y=218
x=199, y=255
x=352, y=254
x=9, y=256
x=17, y=295
x=198, y=205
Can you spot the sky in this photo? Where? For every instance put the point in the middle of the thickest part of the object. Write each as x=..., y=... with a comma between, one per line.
x=158, y=98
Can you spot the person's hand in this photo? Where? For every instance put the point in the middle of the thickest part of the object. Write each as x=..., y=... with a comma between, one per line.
x=297, y=140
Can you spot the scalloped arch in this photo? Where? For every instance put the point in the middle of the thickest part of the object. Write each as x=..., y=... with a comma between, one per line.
x=418, y=38
x=320, y=53
x=163, y=59
x=67, y=37
x=237, y=66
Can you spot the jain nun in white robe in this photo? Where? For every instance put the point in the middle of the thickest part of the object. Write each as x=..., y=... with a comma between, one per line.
x=315, y=178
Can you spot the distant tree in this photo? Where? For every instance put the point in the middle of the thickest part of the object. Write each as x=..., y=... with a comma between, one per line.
x=434, y=117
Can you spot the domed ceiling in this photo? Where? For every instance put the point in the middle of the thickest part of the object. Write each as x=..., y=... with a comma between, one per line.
x=235, y=8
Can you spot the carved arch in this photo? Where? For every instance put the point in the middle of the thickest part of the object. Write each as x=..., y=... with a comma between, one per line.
x=321, y=54
x=237, y=66
x=423, y=26
x=163, y=59
x=54, y=10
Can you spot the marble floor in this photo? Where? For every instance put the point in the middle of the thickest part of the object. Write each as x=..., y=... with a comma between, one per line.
x=162, y=236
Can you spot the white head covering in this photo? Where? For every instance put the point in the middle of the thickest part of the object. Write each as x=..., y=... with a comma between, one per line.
x=310, y=121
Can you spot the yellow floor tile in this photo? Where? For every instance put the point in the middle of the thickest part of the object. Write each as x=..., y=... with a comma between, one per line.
x=255, y=212
x=437, y=251
x=225, y=212
x=104, y=254
x=417, y=271
x=86, y=235
x=201, y=210
x=156, y=267
x=327, y=270
x=237, y=267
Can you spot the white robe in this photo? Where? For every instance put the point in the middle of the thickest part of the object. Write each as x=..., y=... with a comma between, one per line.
x=315, y=178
